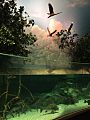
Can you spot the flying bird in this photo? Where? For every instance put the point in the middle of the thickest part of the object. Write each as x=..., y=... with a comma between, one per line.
x=69, y=29
x=50, y=34
x=51, y=11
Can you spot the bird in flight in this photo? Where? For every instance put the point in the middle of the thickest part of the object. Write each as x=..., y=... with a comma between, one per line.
x=50, y=34
x=51, y=11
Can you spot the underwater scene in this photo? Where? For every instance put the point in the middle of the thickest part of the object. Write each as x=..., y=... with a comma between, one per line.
x=42, y=97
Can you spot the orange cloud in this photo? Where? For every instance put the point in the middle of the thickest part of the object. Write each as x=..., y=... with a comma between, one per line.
x=39, y=32
x=43, y=40
x=55, y=25
x=42, y=36
x=46, y=50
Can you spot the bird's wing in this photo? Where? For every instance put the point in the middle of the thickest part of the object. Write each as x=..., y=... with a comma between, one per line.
x=48, y=30
x=53, y=31
x=50, y=8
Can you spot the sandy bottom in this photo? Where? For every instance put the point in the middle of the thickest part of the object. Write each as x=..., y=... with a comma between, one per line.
x=37, y=115
x=39, y=71
x=58, y=72
x=49, y=72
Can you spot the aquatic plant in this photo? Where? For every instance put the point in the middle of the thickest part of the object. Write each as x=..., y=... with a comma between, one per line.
x=13, y=103
x=87, y=101
x=52, y=107
x=86, y=91
x=49, y=101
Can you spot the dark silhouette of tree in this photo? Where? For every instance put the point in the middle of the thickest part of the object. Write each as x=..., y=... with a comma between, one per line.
x=13, y=39
x=81, y=52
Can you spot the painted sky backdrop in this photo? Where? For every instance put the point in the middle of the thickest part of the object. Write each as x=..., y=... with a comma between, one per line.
x=77, y=11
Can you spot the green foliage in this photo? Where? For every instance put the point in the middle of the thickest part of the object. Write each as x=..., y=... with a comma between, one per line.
x=13, y=40
x=6, y=39
x=81, y=52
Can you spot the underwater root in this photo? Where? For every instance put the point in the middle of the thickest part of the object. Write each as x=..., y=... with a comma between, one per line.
x=12, y=102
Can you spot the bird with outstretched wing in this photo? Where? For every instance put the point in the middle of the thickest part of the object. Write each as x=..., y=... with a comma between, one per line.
x=51, y=11
x=50, y=34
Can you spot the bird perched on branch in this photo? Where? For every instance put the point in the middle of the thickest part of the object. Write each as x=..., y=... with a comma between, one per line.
x=51, y=11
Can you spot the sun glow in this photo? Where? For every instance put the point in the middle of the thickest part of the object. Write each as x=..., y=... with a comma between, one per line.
x=55, y=25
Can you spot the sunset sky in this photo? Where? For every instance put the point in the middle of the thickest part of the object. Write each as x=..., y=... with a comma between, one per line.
x=77, y=11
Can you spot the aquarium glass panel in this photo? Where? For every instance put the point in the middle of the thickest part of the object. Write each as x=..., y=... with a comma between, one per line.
x=43, y=97
x=33, y=65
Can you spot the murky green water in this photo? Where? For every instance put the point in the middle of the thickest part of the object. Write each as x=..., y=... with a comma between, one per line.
x=39, y=97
